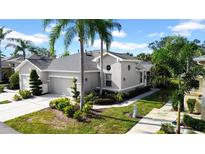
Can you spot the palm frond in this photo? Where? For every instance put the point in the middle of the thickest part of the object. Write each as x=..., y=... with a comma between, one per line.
x=69, y=35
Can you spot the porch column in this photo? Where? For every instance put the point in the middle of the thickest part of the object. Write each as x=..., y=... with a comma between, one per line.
x=203, y=102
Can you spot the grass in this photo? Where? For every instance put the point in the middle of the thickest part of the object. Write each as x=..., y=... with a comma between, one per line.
x=5, y=102
x=107, y=121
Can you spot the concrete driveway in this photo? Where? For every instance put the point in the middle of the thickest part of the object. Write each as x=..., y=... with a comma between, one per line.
x=19, y=108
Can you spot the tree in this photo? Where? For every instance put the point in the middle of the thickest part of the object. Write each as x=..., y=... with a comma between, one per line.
x=104, y=29
x=83, y=28
x=40, y=51
x=3, y=34
x=144, y=57
x=175, y=54
x=35, y=83
x=66, y=53
x=20, y=45
x=75, y=92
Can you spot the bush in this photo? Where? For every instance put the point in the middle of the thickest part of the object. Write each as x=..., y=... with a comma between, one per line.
x=74, y=88
x=69, y=110
x=196, y=124
x=35, y=83
x=78, y=115
x=87, y=107
x=17, y=97
x=14, y=81
x=167, y=128
x=104, y=101
x=160, y=132
x=191, y=105
x=25, y=94
x=59, y=103
x=137, y=91
x=119, y=97
x=1, y=88
x=90, y=97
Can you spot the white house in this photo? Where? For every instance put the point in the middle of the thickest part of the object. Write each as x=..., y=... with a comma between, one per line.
x=121, y=72
x=201, y=61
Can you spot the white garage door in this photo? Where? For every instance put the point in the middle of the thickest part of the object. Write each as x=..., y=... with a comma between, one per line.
x=25, y=82
x=60, y=86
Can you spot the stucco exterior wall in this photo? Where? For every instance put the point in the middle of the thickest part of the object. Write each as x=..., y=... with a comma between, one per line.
x=130, y=77
x=115, y=71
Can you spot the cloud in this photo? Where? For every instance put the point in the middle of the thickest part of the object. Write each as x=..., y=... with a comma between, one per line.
x=161, y=34
x=122, y=45
x=120, y=34
x=185, y=28
x=37, y=38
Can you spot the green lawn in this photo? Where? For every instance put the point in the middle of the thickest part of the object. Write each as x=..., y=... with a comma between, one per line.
x=107, y=121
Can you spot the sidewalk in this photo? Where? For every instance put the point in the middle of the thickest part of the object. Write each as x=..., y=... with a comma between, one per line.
x=4, y=129
x=151, y=123
x=128, y=102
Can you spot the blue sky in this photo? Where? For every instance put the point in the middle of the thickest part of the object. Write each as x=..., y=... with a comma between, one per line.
x=134, y=36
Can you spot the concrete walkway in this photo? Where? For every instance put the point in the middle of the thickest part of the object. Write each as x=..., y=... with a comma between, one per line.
x=19, y=108
x=151, y=123
x=4, y=129
x=128, y=102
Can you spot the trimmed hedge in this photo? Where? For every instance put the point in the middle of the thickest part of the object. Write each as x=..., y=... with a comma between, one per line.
x=104, y=101
x=196, y=124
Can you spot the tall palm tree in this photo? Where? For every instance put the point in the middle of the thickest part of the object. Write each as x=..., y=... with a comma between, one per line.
x=20, y=45
x=85, y=31
x=3, y=34
x=104, y=29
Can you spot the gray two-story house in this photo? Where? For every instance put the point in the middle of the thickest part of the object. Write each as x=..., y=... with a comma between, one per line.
x=121, y=72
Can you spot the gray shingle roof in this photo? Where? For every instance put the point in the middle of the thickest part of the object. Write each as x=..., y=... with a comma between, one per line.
x=40, y=62
x=144, y=65
x=72, y=63
x=123, y=56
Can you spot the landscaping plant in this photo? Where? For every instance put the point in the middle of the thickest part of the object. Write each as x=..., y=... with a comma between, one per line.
x=1, y=88
x=75, y=92
x=14, y=81
x=191, y=105
x=35, y=83
x=25, y=94
x=17, y=97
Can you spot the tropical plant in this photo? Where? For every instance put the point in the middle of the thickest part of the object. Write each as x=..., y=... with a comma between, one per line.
x=66, y=53
x=74, y=88
x=20, y=45
x=144, y=57
x=14, y=81
x=3, y=34
x=175, y=54
x=191, y=105
x=85, y=30
x=104, y=29
x=35, y=83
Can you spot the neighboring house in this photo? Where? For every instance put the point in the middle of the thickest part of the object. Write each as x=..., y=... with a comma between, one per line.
x=9, y=64
x=121, y=72
x=201, y=61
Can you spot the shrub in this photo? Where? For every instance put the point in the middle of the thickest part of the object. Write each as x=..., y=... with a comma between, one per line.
x=119, y=97
x=14, y=81
x=62, y=103
x=191, y=105
x=25, y=94
x=78, y=115
x=104, y=101
x=90, y=97
x=17, y=97
x=69, y=110
x=160, y=132
x=87, y=107
x=35, y=83
x=196, y=124
x=74, y=88
x=167, y=128
x=59, y=103
x=1, y=88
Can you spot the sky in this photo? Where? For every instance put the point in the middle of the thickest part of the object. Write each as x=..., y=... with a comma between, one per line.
x=134, y=36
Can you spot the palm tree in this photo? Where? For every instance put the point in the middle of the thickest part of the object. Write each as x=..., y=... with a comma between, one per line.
x=20, y=45
x=104, y=29
x=2, y=37
x=85, y=31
